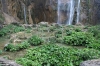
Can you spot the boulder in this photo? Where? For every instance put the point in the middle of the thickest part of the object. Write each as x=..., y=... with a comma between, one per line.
x=95, y=62
x=5, y=62
x=44, y=24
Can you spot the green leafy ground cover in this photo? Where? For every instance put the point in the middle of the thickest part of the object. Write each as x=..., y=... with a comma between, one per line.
x=45, y=52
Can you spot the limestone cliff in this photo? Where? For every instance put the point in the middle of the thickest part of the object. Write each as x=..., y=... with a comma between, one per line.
x=35, y=11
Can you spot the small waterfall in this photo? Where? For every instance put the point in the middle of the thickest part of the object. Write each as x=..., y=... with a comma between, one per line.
x=71, y=12
x=58, y=12
x=78, y=11
x=25, y=14
x=68, y=7
x=24, y=10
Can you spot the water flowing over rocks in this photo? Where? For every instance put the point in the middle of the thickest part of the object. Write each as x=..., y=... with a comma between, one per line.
x=52, y=11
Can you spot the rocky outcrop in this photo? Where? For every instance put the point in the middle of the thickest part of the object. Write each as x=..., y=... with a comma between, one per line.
x=35, y=11
x=5, y=62
x=91, y=63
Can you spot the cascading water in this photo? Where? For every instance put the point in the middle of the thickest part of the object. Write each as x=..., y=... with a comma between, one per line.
x=25, y=14
x=58, y=12
x=68, y=7
x=78, y=11
x=71, y=12
x=24, y=10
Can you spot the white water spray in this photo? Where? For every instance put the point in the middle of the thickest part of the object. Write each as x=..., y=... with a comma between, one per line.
x=58, y=12
x=71, y=12
x=24, y=10
x=78, y=12
x=25, y=14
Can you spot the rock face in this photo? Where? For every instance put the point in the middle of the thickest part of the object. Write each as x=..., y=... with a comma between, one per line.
x=35, y=11
x=4, y=62
x=91, y=63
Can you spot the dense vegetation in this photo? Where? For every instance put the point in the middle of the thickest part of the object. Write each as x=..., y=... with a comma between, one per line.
x=17, y=47
x=50, y=49
x=10, y=29
x=53, y=55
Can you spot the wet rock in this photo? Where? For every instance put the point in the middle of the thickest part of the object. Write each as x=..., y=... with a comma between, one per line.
x=27, y=25
x=19, y=35
x=95, y=62
x=5, y=62
x=44, y=24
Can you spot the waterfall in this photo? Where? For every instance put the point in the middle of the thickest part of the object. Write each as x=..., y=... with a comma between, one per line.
x=71, y=12
x=58, y=12
x=24, y=10
x=78, y=11
x=66, y=8
x=25, y=14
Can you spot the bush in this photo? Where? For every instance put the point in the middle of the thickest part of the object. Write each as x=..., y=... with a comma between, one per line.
x=10, y=47
x=10, y=29
x=95, y=30
x=78, y=30
x=35, y=40
x=23, y=45
x=79, y=39
x=95, y=45
x=69, y=32
x=17, y=47
x=53, y=55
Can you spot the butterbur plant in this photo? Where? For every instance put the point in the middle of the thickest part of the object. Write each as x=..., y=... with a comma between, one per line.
x=95, y=30
x=10, y=29
x=54, y=55
x=79, y=39
x=10, y=47
x=17, y=47
x=35, y=40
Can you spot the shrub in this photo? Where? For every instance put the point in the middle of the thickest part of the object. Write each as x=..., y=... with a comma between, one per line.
x=69, y=32
x=52, y=28
x=95, y=30
x=53, y=55
x=58, y=35
x=78, y=30
x=23, y=45
x=59, y=32
x=10, y=47
x=86, y=53
x=79, y=39
x=17, y=47
x=95, y=45
x=35, y=40
x=10, y=29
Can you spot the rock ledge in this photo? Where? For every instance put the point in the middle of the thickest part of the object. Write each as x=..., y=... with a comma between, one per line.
x=5, y=62
x=95, y=62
